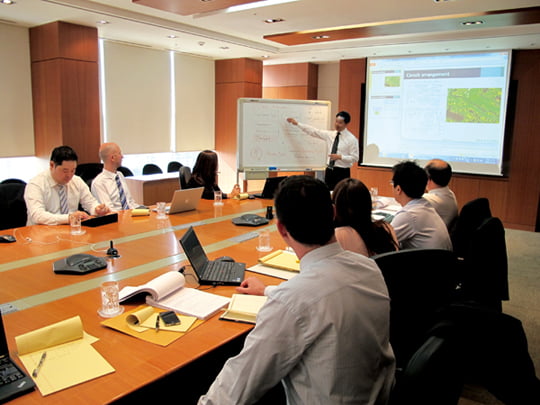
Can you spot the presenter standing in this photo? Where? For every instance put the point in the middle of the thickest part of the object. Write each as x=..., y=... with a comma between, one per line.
x=342, y=144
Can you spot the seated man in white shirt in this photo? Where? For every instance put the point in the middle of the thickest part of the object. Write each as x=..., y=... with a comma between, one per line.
x=323, y=333
x=439, y=195
x=417, y=224
x=109, y=187
x=56, y=193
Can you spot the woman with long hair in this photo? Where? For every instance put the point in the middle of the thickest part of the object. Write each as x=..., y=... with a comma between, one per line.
x=204, y=174
x=355, y=229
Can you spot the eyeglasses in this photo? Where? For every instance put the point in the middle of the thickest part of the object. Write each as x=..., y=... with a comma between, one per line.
x=391, y=183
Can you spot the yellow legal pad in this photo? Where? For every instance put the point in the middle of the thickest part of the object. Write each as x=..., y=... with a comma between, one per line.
x=281, y=259
x=70, y=358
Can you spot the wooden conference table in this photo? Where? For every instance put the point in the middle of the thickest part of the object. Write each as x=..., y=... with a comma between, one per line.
x=32, y=296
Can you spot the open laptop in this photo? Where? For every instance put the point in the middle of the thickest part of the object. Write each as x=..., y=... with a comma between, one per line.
x=185, y=200
x=13, y=380
x=270, y=186
x=210, y=272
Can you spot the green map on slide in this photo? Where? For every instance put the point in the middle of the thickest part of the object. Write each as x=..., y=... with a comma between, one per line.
x=474, y=105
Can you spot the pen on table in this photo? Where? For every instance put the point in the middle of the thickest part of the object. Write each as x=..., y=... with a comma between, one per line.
x=157, y=323
x=41, y=360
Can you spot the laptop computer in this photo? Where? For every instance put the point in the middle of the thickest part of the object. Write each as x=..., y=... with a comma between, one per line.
x=184, y=200
x=210, y=272
x=270, y=186
x=13, y=380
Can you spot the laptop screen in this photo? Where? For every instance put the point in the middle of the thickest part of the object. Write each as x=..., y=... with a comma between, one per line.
x=194, y=250
x=4, y=351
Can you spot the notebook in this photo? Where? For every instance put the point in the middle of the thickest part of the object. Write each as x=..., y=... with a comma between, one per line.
x=270, y=186
x=13, y=380
x=210, y=272
x=184, y=200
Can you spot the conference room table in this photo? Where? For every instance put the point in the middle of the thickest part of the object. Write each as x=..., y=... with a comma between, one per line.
x=33, y=296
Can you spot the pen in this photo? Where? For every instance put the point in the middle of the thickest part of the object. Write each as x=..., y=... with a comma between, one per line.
x=41, y=360
x=157, y=323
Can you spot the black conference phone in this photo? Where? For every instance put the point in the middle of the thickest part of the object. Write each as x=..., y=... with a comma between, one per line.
x=81, y=263
x=250, y=220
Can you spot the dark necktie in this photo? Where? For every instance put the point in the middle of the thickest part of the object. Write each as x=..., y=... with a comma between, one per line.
x=332, y=162
x=64, y=208
x=122, y=193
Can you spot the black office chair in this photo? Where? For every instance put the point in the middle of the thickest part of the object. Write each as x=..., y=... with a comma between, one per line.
x=173, y=166
x=419, y=281
x=125, y=171
x=472, y=214
x=12, y=205
x=7, y=181
x=184, y=174
x=151, y=168
x=88, y=171
x=432, y=375
x=484, y=268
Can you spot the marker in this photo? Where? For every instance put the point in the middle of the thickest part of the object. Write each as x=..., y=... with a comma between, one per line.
x=157, y=323
x=272, y=168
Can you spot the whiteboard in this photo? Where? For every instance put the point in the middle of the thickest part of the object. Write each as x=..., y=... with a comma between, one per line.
x=266, y=141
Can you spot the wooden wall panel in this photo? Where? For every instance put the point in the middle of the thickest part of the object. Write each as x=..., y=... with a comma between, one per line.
x=515, y=198
x=296, y=81
x=65, y=85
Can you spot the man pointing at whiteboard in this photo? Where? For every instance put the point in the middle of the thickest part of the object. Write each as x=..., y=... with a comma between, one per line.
x=342, y=144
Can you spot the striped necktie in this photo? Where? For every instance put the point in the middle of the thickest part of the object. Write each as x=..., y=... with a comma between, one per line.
x=331, y=163
x=123, y=199
x=64, y=208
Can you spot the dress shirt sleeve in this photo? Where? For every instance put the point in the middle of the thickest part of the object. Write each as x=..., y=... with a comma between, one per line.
x=271, y=351
x=86, y=199
x=350, y=154
x=403, y=226
x=40, y=205
x=315, y=132
x=101, y=192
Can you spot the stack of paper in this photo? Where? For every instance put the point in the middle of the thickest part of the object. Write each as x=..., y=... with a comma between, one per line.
x=244, y=308
x=281, y=259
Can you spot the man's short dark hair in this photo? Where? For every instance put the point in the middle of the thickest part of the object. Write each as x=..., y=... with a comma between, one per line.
x=62, y=153
x=439, y=173
x=411, y=178
x=304, y=207
x=345, y=115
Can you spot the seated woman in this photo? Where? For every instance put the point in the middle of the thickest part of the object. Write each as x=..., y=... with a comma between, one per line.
x=355, y=229
x=204, y=174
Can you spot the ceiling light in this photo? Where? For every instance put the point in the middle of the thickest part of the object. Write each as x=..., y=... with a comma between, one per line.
x=273, y=20
x=321, y=37
x=102, y=22
x=172, y=36
x=223, y=47
x=7, y=2
x=477, y=22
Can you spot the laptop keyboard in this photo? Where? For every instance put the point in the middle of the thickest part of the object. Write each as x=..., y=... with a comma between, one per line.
x=8, y=372
x=218, y=271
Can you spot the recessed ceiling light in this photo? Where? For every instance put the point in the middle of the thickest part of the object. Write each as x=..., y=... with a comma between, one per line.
x=477, y=22
x=321, y=37
x=7, y=2
x=223, y=47
x=172, y=36
x=265, y=56
x=273, y=20
x=102, y=22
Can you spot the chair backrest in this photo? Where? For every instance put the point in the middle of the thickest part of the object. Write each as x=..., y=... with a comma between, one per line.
x=125, y=171
x=472, y=214
x=173, y=166
x=184, y=174
x=12, y=205
x=485, y=272
x=88, y=171
x=431, y=376
x=151, y=168
x=7, y=181
x=419, y=282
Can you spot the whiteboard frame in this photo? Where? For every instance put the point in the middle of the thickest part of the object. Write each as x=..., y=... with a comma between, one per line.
x=240, y=143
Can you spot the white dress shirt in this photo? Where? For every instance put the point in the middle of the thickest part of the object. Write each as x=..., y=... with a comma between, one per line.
x=347, y=145
x=43, y=201
x=324, y=333
x=418, y=226
x=444, y=201
x=105, y=190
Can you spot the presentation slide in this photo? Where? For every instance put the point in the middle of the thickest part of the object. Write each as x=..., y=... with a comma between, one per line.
x=450, y=106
